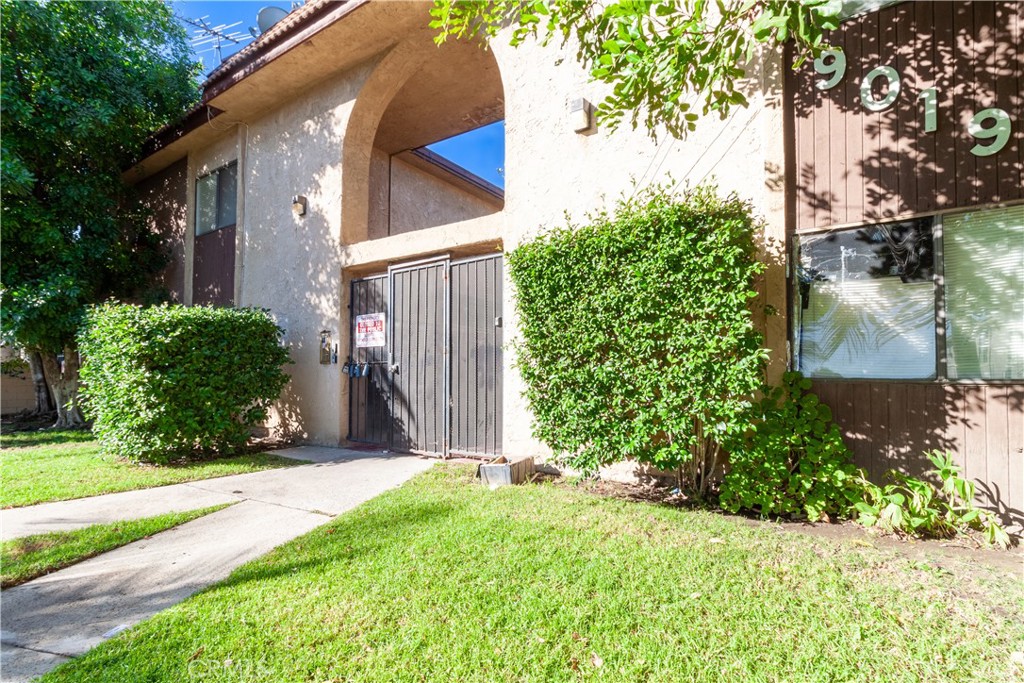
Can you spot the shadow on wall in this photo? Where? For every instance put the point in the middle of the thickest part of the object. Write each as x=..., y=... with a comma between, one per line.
x=291, y=263
x=164, y=194
x=856, y=166
x=890, y=425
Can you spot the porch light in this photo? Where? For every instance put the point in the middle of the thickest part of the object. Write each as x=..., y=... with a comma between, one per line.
x=581, y=113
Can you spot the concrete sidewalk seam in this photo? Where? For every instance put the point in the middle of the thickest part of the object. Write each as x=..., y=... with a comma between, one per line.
x=264, y=502
x=35, y=649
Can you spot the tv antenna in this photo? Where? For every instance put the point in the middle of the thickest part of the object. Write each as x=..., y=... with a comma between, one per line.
x=211, y=38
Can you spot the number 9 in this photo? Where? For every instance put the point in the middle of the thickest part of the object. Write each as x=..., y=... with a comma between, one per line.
x=837, y=68
x=999, y=132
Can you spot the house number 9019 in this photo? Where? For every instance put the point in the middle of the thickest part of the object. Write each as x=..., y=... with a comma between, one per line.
x=832, y=65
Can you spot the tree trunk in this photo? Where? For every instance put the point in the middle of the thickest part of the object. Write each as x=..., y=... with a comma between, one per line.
x=44, y=402
x=64, y=387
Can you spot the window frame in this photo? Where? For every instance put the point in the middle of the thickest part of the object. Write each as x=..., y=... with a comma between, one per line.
x=938, y=277
x=195, y=214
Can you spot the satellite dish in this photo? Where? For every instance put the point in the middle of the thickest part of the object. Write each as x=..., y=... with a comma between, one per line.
x=268, y=16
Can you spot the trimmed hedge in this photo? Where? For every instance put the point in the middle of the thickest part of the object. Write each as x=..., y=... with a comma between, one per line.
x=170, y=382
x=638, y=339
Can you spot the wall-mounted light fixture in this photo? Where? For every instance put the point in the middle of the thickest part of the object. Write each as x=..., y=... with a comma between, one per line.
x=325, y=347
x=299, y=205
x=581, y=113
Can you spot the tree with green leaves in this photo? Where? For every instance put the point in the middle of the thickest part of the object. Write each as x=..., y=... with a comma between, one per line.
x=84, y=84
x=653, y=53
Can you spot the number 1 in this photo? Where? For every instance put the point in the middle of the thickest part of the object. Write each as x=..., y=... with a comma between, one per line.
x=931, y=109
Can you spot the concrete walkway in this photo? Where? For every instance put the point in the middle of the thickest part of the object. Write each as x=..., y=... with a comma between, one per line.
x=64, y=614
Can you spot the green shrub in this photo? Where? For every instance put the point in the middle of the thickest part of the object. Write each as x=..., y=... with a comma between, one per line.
x=169, y=382
x=638, y=339
x=792, y=460
x=915, y=507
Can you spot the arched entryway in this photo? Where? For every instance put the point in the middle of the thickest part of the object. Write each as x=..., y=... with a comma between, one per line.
x=424, y=368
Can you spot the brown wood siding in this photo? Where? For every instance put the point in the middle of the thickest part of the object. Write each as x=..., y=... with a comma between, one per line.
x=213, y=279
x=164, y=195
x=848, y=165
x=889, y=425
x=852, y=165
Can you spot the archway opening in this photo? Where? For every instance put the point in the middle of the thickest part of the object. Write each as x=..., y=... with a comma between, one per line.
x=438, y=153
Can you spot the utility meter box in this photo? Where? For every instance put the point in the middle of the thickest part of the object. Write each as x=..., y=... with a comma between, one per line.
x=501, y=471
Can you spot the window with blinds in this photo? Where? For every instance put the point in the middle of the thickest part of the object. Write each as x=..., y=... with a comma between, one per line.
x=984, y=288
x=866, y=299
x=216, y=196
x=867, y=303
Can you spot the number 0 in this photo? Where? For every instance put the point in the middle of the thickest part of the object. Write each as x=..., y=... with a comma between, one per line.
x=999, y=133
x=866, y=97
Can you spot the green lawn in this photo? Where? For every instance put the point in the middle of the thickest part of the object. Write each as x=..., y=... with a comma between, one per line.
x=43, y=466
x=23, y=559
x=442, y=580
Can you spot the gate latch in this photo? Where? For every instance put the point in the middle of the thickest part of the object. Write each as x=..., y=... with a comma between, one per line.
x=497, y=321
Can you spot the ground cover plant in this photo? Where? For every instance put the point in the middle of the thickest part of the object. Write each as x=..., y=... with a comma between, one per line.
x=167, y=382
x=917, y=507
x=53, y=465
x=23, y=559
x=791, y=459
x=442, y=579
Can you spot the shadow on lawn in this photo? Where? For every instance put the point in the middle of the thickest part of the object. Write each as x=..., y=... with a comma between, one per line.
x=347, y=538
x=43, y=437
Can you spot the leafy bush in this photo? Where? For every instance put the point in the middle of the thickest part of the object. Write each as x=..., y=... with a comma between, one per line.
x=637, y=334
x=168, y=382
x=792, y=460
x=916, y=507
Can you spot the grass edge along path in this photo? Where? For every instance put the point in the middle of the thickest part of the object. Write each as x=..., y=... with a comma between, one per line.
x=441, y=579
x=43, y=467
x=29, y=557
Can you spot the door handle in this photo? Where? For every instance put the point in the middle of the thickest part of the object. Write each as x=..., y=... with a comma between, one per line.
x=393, y=369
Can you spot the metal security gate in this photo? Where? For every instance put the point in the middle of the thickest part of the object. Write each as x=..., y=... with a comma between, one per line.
x=417, y=343
x=431, y=381
x=476, y=337
x=370, y=395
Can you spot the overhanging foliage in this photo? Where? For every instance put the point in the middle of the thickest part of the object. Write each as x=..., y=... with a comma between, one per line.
x=666, y=62
x=84, y=84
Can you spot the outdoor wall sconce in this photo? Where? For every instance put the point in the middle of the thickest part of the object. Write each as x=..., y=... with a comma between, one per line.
x=299, y=205
x=581, y=113
x=325, y=347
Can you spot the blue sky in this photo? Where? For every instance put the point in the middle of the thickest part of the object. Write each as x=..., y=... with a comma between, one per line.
x=218, y=13
x=481, y=151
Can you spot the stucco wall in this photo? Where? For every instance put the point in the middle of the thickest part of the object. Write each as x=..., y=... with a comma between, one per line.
x=300, y=267
x=380, y=172
x=404, y=198
x=17, y=392
x=291, y=264
x=551, y=170
x=420, y=200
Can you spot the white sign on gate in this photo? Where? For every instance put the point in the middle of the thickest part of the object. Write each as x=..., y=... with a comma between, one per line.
x=370, y=330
